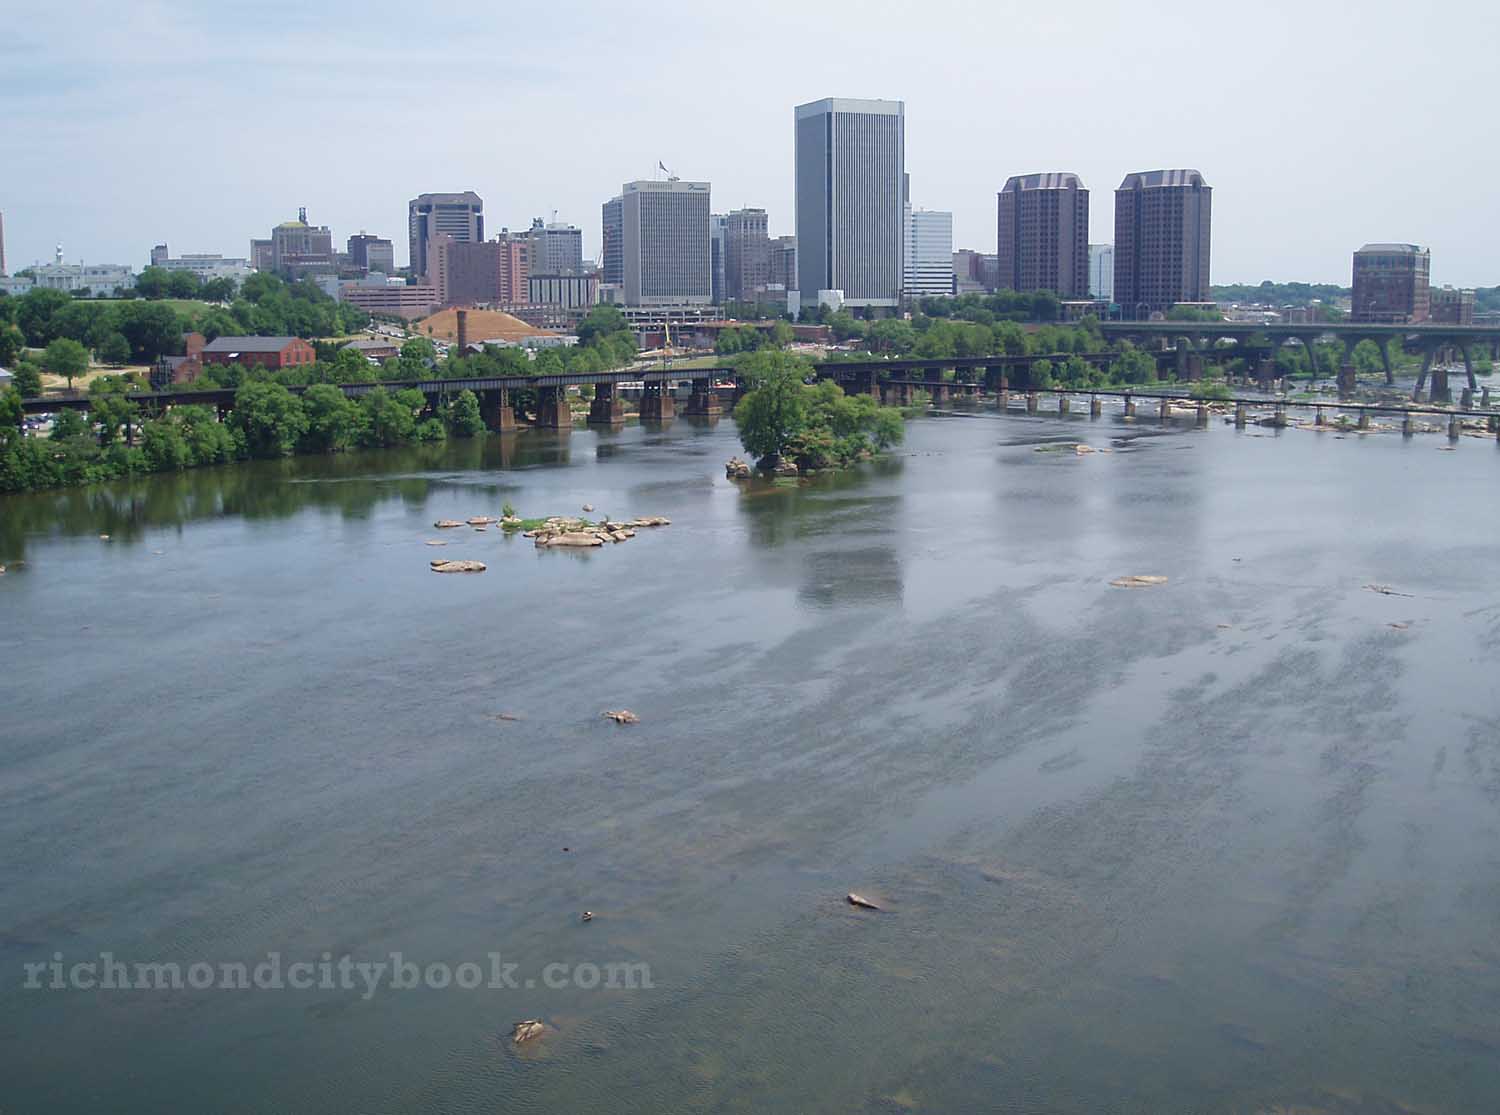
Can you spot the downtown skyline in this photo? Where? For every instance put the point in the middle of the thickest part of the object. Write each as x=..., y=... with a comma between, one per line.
x=1304, y=150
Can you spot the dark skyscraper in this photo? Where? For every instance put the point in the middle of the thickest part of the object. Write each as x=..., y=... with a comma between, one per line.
x=460, y=216
x=747, y=254
x=1162, y=223
x=613, y=258
x=1043, y=241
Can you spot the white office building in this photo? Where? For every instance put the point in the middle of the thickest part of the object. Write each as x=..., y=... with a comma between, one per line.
x=928, y=254
x=99, y=279
x=665, y=250
x=850, y=186
x=204, y=265
x=1102, y=272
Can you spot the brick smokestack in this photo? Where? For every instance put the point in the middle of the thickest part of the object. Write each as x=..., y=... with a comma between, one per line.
x=463, y=332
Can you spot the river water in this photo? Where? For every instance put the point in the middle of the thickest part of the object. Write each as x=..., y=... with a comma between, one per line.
x=1220, y=845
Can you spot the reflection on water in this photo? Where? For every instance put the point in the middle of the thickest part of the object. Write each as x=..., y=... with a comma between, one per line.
x=1222, y=845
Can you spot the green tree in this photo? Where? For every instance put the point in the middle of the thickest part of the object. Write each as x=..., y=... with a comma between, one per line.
x=28, y=379
x=218, y=290
x=333, y=419
x=601, y=322
x=12, y=343
x=464, y=419
x=35, y=312
x=153, y=282
x=152, y=329
x=115, y=349
x=775, y=412
x=269, y=417
x=388, y=419
x=421, y=351
x=113, y=413
x=183, y=284
x=66, y=357
x=11, y=414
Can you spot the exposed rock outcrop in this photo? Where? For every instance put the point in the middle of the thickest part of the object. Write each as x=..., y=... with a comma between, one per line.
x=459, y=566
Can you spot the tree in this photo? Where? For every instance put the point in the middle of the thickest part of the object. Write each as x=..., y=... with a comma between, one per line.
x=420, y=351
x=270, y=417
x=66, y=357
x=111, y=411
x=333, y=419
x=183, y=284
x=151, y=328
x=892, y=335
x=771, y=415
x=388, y=419
x=11, y=413
x=115, y=349
x=464, y=419
x=601, y=322
x=35, y=311
x=153, y=282
x=12, y=341
x=28, y=379
x=217, y=290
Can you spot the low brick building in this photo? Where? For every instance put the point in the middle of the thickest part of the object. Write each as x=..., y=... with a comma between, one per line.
x=267, y=352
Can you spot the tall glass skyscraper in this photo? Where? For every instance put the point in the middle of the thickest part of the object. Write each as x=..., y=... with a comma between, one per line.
x=664, y=243
x=851, y=167
x=929, y=253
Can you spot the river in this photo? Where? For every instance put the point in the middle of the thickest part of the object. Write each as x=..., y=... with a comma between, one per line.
x=1217, y=845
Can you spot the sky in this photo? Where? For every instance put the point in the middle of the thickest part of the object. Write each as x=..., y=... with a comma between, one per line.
x=1320, y=126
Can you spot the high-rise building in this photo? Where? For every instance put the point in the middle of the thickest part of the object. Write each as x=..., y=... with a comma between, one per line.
x=555, y=249
x=612, y=258
x=1102, y=272
x=716, y=222
x=665, y=254
x=1162, y=232
x=747, y=254
x=372, y=253
x=459, y=215
x=261, y=256
x=491, y=272
x=784, y=262
x=301, y=248
x=850, y=184
x=928, y=253
x=159, y=255
x=1392, y=284
x=1043, y=234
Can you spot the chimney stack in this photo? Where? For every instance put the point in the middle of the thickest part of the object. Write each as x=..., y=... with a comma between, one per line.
x=463, y=332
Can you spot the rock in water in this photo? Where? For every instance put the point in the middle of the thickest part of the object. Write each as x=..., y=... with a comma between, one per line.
x=737, y=468
x=439, y=566
x=1139, y=580
x=436, y=542
x=571, y=538
x=526, y=1030
x=447, y=524
x=862, y=902
x=480, y=521
x=588, y=508
x=623, y=716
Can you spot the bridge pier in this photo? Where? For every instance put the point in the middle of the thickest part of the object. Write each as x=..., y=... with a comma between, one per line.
x=1416, y=392
x=1239, y=416
x=1002, y=400
x=1466, y=399
x=1165, y=410
x=1265, y=371
x=1468, y=366
x=936, y=387
x=1364, y=420
x=1484, y=400
x=1031, y=402
x=1129, y=407
x=496, y=410
x=1202, y=417
x=1440, y=392
x=1454, y=429
x=1407, y=427
x=704, y=400
x=1385, y=358
x=1063, y=403
x=1096, y=406
x=552, y=410
x=1317, y=416
x=656, y=403
x=607, y=409
x=1347, y=381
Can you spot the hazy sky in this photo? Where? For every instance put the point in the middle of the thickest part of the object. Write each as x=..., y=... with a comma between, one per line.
x=1320, y=126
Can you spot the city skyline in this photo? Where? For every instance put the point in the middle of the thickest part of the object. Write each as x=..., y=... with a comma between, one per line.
x=1278, y=140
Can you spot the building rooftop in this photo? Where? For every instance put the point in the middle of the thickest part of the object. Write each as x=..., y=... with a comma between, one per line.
x=1393, y=249
x=248, y=344
x=1052, y=180
x=1149, y=179
x=851, y=104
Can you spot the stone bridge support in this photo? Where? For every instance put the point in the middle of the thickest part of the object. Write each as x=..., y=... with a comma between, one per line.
x=704, y=401
x=552, y=410
x=607, y=409
x=657, y=404
x=496, y=410
x=936, y=386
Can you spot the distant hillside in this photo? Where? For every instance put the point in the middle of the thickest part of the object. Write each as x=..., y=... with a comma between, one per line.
x=484, y=325
x=1280, y=294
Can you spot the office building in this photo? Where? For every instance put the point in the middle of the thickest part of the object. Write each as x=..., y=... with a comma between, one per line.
x=261, y=258
x=205, y=265
x=554, y=249
x=850, y=192
x=465, y=273
x=1102, y=272
x=372, y=253
x=716, y=223
x=928, y=254
x=299, y=248
x=783, y=264
x=1451, y=307
x=459, y=215
x=98, y=279
x=665, y=253
x=611, y=256
x=571, y=292
x=1392, y=284
x=1163, y=220
x=747, y=254
x=391, y=300
x=1042, y=240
